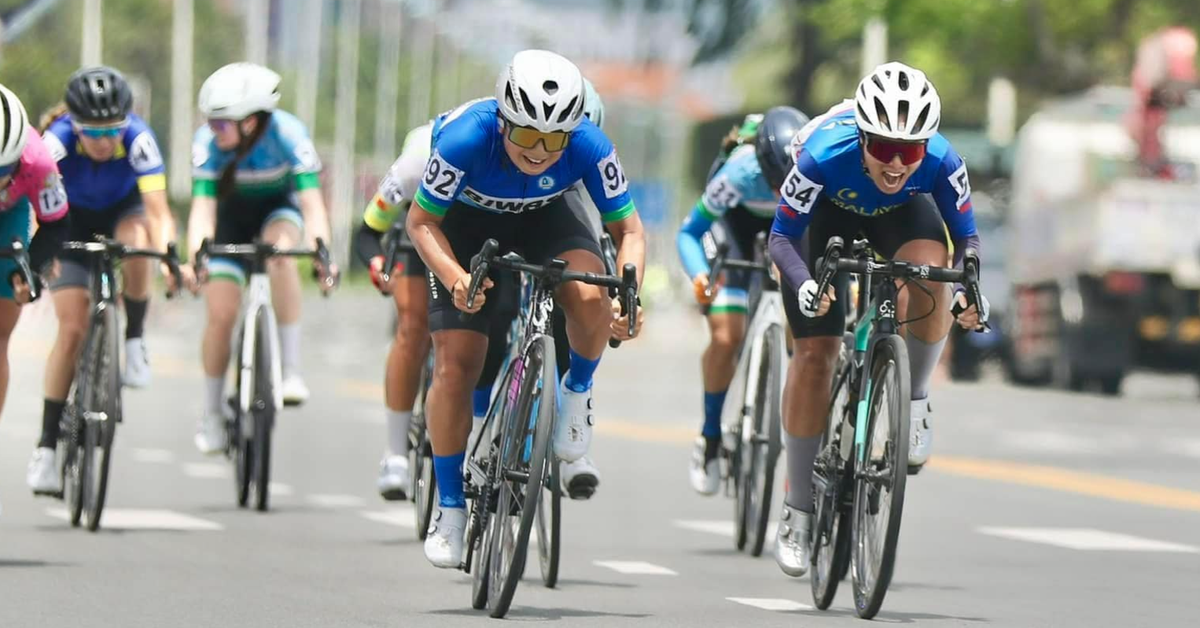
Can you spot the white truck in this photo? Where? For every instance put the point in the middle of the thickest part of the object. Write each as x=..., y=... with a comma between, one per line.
x=1104, y=262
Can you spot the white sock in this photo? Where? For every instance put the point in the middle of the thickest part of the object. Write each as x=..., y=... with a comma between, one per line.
x=216, y=395
x=289, y=349
x=397, y=423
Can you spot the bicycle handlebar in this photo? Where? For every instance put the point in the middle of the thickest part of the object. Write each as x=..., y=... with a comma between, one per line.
x=261, y=250
x=397, y=244
x=19, y=253
x=555, y=273
x=108, y=247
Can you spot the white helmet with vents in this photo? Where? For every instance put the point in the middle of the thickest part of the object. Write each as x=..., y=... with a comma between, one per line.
x=541, y=90
x=14, y=127
x=897, y=102
x=238, y=90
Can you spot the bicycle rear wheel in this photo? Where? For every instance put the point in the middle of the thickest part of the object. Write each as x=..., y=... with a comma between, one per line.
x=549, y=523
x=831, y=529
x=241, y=443
x=100, y=428
x=765, y=442
x=77, y=462
x=524, y=443
x=262, y=407
x=420, y=457
x=881, y=472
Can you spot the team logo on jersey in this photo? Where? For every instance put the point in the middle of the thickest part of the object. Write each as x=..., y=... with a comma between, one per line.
x=507, y=205
x=546, y=182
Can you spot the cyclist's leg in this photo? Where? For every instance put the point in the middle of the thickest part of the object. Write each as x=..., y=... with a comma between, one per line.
x=807, y=389
x=406, y=357
x=132, y=229
x=14, y=223
x=284, y=227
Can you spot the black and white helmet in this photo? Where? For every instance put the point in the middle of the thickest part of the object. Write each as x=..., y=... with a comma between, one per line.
x=541, y=90
x=897, y=102
x=14, y=127
x=98, y=94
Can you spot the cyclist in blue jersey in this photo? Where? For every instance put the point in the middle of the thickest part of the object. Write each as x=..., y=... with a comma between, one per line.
x=256, y=174
x=113, y=172
x=874, y=165
x=499, y=169
x=407, y=286
x=738, y=204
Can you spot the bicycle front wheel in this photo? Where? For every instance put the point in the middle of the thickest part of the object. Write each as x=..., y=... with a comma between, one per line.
x=831, y=524
x=881, y=471
x=524, y=443
x=420, y=457
x=549, y=523
x=766, y=439
x=100, y=428
x=262, y=407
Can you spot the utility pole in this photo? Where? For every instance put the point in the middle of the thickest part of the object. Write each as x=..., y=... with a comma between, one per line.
x=875, y=44
x=349, y=18
x=91, y=50
x=389, y=78
x=258, y=14
x=182, y=34
x=309, y=62
x=421, y=78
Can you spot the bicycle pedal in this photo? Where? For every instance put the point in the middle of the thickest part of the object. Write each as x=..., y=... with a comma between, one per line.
x=395, y=495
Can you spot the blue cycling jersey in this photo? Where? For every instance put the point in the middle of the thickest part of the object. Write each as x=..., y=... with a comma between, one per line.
x=469, y=165
x=93, y=185
x=282, y=160
x=738, y=183
x=829, y=164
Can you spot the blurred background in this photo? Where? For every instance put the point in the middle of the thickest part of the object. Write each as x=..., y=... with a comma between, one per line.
x=1078, y=120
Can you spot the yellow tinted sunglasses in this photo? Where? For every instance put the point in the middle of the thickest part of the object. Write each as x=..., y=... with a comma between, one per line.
x=527, y=137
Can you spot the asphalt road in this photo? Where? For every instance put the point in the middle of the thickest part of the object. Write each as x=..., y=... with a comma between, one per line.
x=1039, y=508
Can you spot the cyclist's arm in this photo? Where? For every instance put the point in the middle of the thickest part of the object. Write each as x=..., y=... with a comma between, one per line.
x=202, y=221
x=425, y=230
x=49, y=205
x=48, y=240
x=952, y=194
x=158, y=214
x=798, y=197
x=691, y=251
x=316, y=217
x=629, y=236
x=145, y=158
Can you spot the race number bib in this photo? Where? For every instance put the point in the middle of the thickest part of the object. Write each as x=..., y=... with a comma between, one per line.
x=52, y=198
x=721, y=195
x=144, y=154
x=800, y=192
x=961, y=185
x=441, y=178
x=613, y=176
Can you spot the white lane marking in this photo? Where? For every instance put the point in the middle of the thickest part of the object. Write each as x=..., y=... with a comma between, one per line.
x=634, y=567
x=1088, y=539
x=281, y=489
x=400, y=517
x=207, y=470
x=335, y=501
x=133, y=519
x=1190, y=448
x=771, y=604
x=153, y=456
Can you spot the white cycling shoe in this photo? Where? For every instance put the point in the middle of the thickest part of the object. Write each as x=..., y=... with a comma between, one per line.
x=42, y=474
x=792, y=541
x=581, y=478
x=295, y=392
x=394, y=478
x=920, y=434
x=705, y=476
x=137, y=364
x=573, y=433
x=444, y=544
x=211, y=436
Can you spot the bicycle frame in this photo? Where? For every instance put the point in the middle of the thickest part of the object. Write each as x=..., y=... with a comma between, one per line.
x=878, y=321
x=745, y=378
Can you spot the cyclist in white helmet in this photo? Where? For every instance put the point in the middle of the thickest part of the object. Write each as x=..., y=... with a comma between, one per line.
x=407, y=286
x=255, y=174
x=874, y=165
x=499, y=170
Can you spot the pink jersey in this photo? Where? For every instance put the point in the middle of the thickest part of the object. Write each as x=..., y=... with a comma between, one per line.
x=37, y=180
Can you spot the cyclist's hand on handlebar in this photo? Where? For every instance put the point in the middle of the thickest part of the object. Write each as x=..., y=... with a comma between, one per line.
x=327, y=277
x=969, y=318
x=165, y=270
x=705, y=294
x=376, y=268
x=620, y=324
x=462, y=285
x=193, y=276
x=21, y=292
x=809, y=305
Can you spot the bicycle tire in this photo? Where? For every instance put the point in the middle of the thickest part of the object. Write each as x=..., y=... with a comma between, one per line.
x=738, y=463
x=549, y=523
x=420, y=456
x=241, y=447
x=480, y=542
x=767, y=439
x=831, y=526
x=873, y=574
x=99, y=435
x=75, y=464
x=525, y=443
x=263, y=409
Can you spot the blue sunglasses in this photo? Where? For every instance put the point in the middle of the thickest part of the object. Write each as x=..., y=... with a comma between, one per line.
x=101, y=132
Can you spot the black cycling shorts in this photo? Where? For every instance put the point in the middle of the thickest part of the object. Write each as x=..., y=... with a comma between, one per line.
x=918, y=219
x=85, y=225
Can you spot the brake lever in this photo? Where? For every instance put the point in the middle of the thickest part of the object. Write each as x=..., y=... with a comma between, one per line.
x=480, y=265
x=974, y=296
x=172, y=261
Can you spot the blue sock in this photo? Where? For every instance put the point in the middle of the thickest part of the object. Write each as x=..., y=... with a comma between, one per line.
x=712, y=414
x=579, y=374
x=480, y=400
x=449, y=474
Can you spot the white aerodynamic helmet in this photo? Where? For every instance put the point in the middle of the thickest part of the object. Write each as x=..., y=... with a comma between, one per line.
x=14, y=127
x=897, y=102
x=542, y=90
x=238, y=90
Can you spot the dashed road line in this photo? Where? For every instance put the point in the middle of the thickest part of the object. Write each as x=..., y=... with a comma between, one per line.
x=153, y=456
x=134, y=519
x=207, y=470
x=335, y=500
x=634, y=567
x=771, y=604
x=1087, y=539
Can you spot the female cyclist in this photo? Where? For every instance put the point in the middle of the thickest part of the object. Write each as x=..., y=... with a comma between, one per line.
x=253, y=166
x=113, y=172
